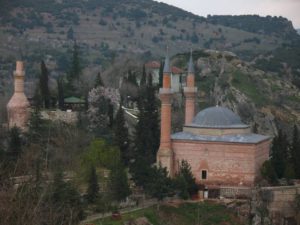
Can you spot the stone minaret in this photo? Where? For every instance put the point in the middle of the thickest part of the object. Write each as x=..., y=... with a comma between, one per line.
x=190, y=93
x=18, y=105
x=165, y=153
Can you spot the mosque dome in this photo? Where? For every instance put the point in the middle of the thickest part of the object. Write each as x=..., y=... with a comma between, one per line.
x=218, y=117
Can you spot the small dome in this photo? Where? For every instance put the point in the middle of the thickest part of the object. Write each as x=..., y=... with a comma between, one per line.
x=217, y=117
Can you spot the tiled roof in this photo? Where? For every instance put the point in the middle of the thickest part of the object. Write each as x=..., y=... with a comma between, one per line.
x=156, y=65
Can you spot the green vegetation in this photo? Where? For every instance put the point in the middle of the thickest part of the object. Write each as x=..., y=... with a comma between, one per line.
x=246, y=85
x=205, y=213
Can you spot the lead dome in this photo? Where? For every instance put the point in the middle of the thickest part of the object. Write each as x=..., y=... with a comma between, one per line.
x=217, y=117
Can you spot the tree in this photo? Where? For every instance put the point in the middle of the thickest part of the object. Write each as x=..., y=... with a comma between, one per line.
x=143, y=79
x=75, y=70
x=44, y=85
x=161, y=73
x=122, y=136
x=70, y=33
x=15, y=143
x=159, y=185
x=119, y=186
x=100, y=110
x=93, y=186
x=268, y=172
x=185, y=174
x=64, y=201
x=60, y=91
x=36, y=125
x=99, y=81
x=295, y=152
x=132, y=78
x=279, y=153
x=147, y=129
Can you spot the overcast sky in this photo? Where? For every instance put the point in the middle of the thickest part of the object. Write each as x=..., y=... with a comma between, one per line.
x=286, y=8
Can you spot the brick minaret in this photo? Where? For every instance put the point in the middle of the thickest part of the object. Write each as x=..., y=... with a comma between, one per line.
x=165, y=153
x=190, y=93
x=18, y=105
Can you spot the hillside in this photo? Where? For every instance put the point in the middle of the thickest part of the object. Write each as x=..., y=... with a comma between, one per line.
x=116, y=35
x=106, y=30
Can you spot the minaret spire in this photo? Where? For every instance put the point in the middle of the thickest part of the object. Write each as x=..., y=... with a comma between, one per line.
x=190, y=92
x=165, y=153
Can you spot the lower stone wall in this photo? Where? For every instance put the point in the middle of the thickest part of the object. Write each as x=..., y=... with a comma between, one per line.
x=58, y=115
x=235, y=192
x=282, y=200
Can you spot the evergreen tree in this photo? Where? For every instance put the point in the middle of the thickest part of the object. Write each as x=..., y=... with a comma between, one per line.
x=161, y=73
x=70, y=33
x=295, y=152
x=99, y=81
x=76, y=69
x=15, y=143
x=185, y=173
x=143, y=79
x=159, y=185
x=93, y=187
x=60, y=90
x=147, y=129
x=36, y=125
x=119, y=183
x=268, y=172
x=132, y=78
x=279, y=153
x=44, y=85
x=122, y=136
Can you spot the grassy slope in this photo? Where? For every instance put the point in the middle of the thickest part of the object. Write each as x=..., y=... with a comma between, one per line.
x=185, y=214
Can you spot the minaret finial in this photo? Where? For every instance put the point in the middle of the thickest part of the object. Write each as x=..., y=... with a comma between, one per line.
x=167, y=62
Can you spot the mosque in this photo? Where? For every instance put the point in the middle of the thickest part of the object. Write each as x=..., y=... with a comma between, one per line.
x=220, y=149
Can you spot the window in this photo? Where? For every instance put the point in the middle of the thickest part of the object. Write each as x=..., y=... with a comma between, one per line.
x=204, y=174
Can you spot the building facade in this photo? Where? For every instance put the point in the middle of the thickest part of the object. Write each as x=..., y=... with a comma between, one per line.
x=220, y=149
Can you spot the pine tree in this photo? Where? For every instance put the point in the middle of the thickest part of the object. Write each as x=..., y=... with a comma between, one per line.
x=122, y=136
x=93, y=187
x=295, y=152
x=99, y=81
x=44, y=85
x=119, y=183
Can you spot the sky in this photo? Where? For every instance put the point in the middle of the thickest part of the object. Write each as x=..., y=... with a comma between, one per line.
x=286, y=8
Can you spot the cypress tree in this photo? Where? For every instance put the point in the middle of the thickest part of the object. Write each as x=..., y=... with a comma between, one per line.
x=75, y=70
x=119, y=183
x=44, y=85
x=279, y=153
x=122, y=136
x=147, y=129
x=99, y=81
x=161, y=73
x=295, y=151
x=60, y=91
x=143, y=79
x=15, y=143
x=93, y=187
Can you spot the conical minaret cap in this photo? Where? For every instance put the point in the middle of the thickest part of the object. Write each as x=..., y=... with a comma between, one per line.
x=191, y=64
x=167, y=68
